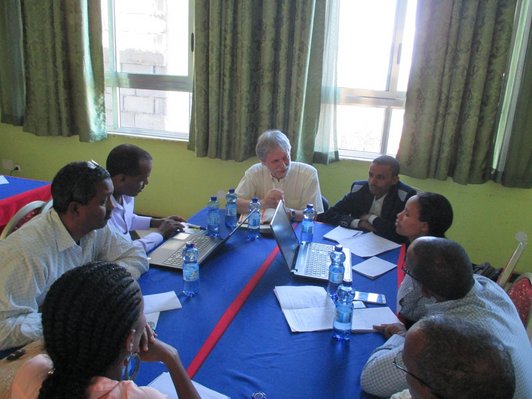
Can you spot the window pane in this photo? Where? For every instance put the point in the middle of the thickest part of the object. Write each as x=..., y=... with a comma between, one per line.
x=154, y=110
x=408, y=45
x=365, y=43
x=360, y=128
x=152, y=36
x=396, y=128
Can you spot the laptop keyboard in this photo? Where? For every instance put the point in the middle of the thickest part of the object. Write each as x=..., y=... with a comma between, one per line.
x=319, y=260
x=176, y=259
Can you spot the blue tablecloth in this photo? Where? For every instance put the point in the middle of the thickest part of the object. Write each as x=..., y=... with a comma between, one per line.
x=258, y=352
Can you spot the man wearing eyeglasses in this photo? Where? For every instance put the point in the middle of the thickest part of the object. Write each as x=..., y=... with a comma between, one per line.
x=450, y=357
x=71, y=234
x=443, y=270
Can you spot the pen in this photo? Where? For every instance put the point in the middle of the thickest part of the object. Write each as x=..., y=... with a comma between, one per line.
x=195, y=226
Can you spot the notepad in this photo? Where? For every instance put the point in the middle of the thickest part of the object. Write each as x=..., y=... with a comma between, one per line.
x=373, y=267
x=309, y=308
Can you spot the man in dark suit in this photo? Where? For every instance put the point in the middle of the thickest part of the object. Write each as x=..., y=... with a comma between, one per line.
x=373, y=204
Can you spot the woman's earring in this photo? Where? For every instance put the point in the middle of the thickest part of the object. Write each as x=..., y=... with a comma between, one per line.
x=131, y=366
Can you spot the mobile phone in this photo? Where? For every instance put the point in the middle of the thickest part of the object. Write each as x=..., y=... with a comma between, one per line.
x=370, y=297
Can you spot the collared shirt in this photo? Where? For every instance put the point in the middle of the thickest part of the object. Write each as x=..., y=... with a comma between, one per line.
x=123, y=220
x=36, y=255
x=300, y=185
x=488, y=306
x=31, y=375
x=411, y=303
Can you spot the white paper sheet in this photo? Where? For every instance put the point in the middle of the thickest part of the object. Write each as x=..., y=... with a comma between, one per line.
x=309, y=308
x=161, y=302
x=341, y=233
x=369, y=244
x=152, y=319
x=164, y=384
x=3, y=180
x=373, y=267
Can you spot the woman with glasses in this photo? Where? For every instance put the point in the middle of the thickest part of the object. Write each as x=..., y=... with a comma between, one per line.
x=425, y=214
x=93, y=321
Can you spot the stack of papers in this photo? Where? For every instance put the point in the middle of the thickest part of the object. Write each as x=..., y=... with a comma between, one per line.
x=164, y=384
x=309, y=308
x=360, y=244
x=373, y=267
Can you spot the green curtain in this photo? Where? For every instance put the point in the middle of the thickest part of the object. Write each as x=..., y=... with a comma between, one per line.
x=518, y=169
x=460, y=56
x=11, y=64
x=257, y=66
x=63, y=68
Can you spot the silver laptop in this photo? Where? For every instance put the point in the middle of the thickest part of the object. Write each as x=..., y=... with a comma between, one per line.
x=307, y=260
x=169, y=253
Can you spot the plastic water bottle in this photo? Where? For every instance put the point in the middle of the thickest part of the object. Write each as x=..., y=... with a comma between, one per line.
x=213, y=217
x=307, y=232
x=190, y=270
x=336, y=270
x=230, y=209
x=254, y=219
x=344, y=312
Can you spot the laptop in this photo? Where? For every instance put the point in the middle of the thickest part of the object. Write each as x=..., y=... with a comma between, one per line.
x=308, y=260
x=169, y=253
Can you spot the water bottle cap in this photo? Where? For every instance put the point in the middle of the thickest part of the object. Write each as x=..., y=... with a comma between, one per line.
x=214, y=198
x=339, y=247
x=190, y=244
x=310, y=205
x=254, y=199
x=231, y=190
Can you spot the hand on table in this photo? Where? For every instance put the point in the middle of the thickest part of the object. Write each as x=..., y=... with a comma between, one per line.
x=390, y=329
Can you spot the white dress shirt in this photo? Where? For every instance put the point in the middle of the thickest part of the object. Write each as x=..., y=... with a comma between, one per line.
x=123, y=220
x=300, y=185
x=36, y=255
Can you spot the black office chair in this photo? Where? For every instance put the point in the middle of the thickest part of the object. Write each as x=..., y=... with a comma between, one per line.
x=325, y=202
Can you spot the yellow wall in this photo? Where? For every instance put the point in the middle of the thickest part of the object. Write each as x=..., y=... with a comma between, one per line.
x=487, y=216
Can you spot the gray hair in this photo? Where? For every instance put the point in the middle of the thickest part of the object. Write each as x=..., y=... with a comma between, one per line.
x=271, y=140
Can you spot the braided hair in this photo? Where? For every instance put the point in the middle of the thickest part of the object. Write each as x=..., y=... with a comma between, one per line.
x=87, y=316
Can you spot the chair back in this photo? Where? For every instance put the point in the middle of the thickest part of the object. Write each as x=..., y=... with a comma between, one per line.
x=521, y=295
x=24, y=214
x=508, y=269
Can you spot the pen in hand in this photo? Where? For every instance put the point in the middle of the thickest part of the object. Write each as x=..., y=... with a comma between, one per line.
x=195, y=226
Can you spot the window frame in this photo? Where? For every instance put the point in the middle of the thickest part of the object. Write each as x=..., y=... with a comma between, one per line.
x=390, y=98
x=115, y=80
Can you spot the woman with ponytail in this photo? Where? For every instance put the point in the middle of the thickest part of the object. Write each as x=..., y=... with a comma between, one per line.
x=93, y=321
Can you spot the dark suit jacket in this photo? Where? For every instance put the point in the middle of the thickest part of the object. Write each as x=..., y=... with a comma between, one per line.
x=358, y=202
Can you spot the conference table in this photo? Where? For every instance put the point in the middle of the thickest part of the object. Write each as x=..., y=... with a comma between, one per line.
x=18, y=192
x=233, y=337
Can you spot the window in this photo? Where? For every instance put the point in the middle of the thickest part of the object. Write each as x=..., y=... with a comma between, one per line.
x=375, y=41
x=148, y=64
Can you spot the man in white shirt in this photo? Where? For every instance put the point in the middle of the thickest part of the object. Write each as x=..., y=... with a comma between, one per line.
x=130, y=167
x=71, y=234
x=452, y=357
x=276, y=178
x=443, y=270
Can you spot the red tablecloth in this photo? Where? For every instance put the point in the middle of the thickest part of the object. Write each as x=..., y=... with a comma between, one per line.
x=18, y=193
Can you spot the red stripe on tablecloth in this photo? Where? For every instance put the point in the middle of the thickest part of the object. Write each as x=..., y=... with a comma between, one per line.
x=229, y=315
x=400, y=263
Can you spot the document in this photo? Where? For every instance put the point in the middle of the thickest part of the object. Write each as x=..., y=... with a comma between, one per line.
x=161, y=302
x=373, y=267
x=152, y=319
x=369, y=244
x=164, y=384
x=3, y=180
x=340, y=233
x=309, y=308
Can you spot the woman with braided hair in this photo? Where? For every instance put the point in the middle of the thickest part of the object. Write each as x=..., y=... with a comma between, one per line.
x=93, y=320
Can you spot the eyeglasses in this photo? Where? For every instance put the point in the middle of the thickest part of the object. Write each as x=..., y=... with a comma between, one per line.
x=408, y=272
x=398, y=363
